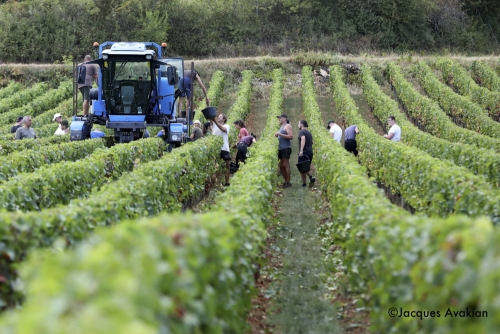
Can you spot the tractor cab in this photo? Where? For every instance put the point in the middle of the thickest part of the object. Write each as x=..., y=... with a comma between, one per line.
x=137, y=88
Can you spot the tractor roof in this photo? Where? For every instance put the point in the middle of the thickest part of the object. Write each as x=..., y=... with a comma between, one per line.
x=128, y=48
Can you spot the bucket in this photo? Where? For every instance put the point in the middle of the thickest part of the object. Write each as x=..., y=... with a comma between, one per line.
x=304, y=166
x=209, y=112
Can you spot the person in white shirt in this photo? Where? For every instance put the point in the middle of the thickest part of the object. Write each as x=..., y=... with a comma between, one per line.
x=394, y=133
x=335, y=130
x=58, y=119
x=222, y=129
x=63, y=128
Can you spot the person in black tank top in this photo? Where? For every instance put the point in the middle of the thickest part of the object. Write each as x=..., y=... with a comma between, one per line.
x=285, y=136
x=305, y=151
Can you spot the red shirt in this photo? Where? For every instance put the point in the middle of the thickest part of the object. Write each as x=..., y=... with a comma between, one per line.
x=243, y=133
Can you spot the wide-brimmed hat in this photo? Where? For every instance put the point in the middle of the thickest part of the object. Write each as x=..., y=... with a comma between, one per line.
x=55, y=116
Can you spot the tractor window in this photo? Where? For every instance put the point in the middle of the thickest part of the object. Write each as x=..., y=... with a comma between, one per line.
x=176, y=63
x=127, y=87
x=132, y=71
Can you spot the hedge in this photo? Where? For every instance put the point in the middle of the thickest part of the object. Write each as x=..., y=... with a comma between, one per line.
x=37, y=106
x=478, y=160
x=61, y=182
x=193, y=273
x=29, y=160
x=458, y=78
x=428, y=114
x=485, y=76
x=465, y=111
x=429, y=185
x=396, y=260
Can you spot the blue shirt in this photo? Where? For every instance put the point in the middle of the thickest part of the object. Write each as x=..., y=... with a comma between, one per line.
x=97, y=134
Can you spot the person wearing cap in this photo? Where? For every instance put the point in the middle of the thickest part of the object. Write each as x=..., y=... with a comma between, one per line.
x=335, y=130
x=197, y=133
x=285, y=136
x=26, y=131
x=63, y=128
x=58, y=119
x=17, y=125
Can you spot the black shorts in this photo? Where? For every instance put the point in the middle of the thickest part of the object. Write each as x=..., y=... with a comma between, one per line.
x=304, y=155
x=351, y=146
x=285, y=153
x=225, y=155
x=242, y=152
x=185, y=87
x=85, y=90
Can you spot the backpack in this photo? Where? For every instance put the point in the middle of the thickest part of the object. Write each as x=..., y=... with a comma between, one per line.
x=81, y=74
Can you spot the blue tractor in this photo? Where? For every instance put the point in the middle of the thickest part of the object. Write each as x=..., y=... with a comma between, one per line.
x=137, y=88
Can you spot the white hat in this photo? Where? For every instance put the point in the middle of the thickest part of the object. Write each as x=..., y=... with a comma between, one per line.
x=197, y=122
x=55, y=116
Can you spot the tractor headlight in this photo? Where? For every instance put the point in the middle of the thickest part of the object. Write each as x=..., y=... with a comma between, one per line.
x=148, y=57
x=104, y=56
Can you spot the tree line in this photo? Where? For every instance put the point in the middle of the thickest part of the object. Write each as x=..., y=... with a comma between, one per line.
x=54, y=30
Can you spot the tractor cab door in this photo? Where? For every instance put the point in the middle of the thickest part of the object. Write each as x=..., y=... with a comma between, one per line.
x=169, y=74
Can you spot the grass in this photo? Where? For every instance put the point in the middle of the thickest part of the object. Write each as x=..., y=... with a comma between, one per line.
x=300, y=305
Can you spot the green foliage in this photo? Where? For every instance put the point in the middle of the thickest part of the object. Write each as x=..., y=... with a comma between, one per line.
x=459, y=78
x=73, y=178
x=64, y=108
x=10, y=89
x=185, y=279
x=43, y=30
x=479, y=160
x=428, y=113
x=314, y=59
x=455, y=105
x=10, y=146
x=400, y=260
x=30, y=74
x=214, y=93
x=29, y=160
x=248, y=197
x=37, y=106
x=429, y=185
x=46, y=130
x=159, y=185
x=207, y=281
x=240, y=107
x=55, y=31
x=485, y=76
x=22, y=97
